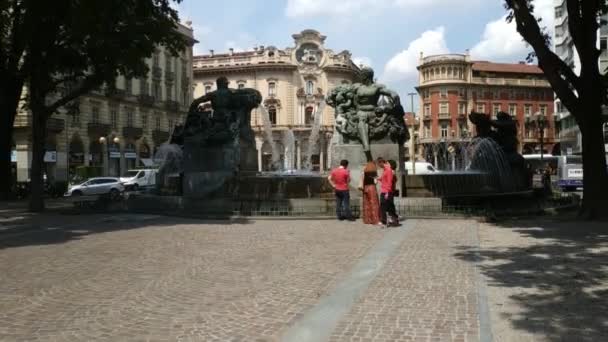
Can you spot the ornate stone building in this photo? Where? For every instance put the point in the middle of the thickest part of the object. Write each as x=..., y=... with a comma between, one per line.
x=293, y=82
x=451, y=86
x=115, y=129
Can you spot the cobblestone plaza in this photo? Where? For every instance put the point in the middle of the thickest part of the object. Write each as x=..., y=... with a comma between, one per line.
x=149, y=278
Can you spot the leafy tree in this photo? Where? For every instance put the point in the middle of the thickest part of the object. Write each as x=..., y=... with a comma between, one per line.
x=78, y=46
x=583, y=95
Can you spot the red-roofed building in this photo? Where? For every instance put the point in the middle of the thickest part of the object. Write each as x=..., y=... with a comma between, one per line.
x=452, y=85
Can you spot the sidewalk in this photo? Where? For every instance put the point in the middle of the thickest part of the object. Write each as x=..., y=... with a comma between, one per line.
x=547, y=279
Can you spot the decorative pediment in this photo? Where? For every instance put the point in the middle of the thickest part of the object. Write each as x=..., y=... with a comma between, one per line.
x=271, y=101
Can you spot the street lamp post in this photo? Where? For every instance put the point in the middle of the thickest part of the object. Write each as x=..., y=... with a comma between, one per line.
x=541, y=123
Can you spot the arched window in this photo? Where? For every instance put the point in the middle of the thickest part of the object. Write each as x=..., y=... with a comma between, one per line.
x=272, y=115
x=449, y=72
x=310, y=87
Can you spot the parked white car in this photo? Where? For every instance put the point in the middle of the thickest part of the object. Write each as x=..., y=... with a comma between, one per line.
x=421, y=168
x=136, y=179
x=97, y=186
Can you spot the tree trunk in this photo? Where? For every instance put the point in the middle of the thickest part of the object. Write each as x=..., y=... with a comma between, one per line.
x=6, y=137
x=10, y=93
x=39, y=120
x=595, y=175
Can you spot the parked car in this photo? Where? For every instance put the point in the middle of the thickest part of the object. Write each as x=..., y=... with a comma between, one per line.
x=421, y=168
x=98, y=186
x=136, y=179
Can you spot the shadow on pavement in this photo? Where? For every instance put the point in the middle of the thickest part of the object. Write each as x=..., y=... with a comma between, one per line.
x=46, y=229
x=559, y=280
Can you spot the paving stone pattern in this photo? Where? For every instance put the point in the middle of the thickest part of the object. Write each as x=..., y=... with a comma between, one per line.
x=182, y=280
x=423, y=292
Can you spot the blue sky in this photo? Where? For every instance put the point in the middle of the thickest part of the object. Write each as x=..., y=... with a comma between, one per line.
x=387, y=34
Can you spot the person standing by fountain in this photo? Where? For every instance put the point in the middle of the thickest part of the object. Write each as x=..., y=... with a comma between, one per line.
x=388, y=215
x=339, y=179
x=371, y=207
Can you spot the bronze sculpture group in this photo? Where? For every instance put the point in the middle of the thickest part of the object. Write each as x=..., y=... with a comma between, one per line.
x=367, y=111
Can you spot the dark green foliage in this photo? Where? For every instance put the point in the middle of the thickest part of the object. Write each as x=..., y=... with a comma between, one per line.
x=62, y=49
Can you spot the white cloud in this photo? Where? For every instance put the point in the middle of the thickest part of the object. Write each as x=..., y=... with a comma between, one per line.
x=362, y=60
x=306, y=8
x=501, y=41
x=403, y=65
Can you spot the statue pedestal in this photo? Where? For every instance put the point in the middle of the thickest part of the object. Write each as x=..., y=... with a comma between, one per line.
x=357, y=159
x=209, y=170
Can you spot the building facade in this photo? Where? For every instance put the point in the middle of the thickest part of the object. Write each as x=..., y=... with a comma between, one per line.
x=293, y=82
x=115, y=128
x=451, y=86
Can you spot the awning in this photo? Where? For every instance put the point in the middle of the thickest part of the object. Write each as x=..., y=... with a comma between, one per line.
x=147, y=161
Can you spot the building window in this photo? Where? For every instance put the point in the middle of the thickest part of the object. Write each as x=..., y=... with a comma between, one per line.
x=543, y=110
x=157, y=90
x=427, y=110
x=462, y=92
x=143, y=87
x=427, y=131
x=158, y=121
x=128, y=86
x=308, y=116
x=481, y=108
x=462, y=108
x=272, y=88
x=495, y=109
x=144, y=120
x=114, y=117
x=443, y=92
x=444, y=131
x=207, y=89
x=426, y=94
x=168, y=64
x=95, y=114
x=310, y=86
x=130, y=117
x=513, y=109
x=169, y=92
x=241, y=85
x=474, y=94
x=603, y=44
x=156, y=59
x=272, y=115
x=443, y=108
x=528, y=110
x=495, y=94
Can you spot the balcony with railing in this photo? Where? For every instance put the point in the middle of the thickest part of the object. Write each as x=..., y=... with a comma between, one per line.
x=511, y=81
x=160, y=136
x=445, y=58
x=115, y=93
x=444, y=116
x=157, y=72
x=146, y=99
x=172, y=105
x=132, y=132
x=169, y=76
x=55, y=125
x=98, y=129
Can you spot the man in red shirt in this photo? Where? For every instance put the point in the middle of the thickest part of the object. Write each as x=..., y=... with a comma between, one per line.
x=387, y=181
x=339, y=179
